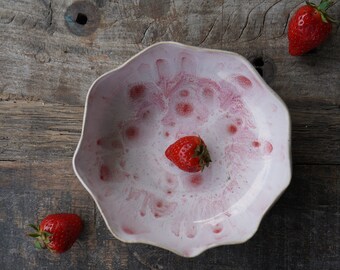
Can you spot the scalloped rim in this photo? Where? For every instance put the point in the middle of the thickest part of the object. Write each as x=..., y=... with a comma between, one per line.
x=203, y=249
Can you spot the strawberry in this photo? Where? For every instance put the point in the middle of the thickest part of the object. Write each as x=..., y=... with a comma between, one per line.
x=309, y=27
x=57, y=232
x=189, y=153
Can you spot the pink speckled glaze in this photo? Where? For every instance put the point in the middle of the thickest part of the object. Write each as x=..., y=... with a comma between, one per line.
x=167, y=91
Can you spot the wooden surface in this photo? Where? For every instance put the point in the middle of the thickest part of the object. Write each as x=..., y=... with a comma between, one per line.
x=48, y=61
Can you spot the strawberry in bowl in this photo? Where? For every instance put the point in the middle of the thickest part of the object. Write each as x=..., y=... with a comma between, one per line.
x=152, y=127
x=189, y=153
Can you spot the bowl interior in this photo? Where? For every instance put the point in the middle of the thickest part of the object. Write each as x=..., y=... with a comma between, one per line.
x=168, y=91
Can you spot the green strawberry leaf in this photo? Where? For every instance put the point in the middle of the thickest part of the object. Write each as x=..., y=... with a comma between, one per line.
x=46, y=234
x=325, y=4
x=37, y=245
x=35, y=227
x=35, y=235
x=323, y=18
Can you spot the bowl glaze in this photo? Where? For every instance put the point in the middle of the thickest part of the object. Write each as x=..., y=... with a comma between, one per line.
x=169, y=90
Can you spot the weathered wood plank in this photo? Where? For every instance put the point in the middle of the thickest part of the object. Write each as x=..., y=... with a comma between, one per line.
x=35, y=178
x=41, y=58
x=51, y=131
x=38, y=131
x=300, y=231
x=315, y=132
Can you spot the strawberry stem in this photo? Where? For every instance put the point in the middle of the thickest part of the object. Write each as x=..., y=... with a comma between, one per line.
x=37, y=245
x=42, y=237
x=324, y=5
x=322, y=8
x=35, y=235
x=202, y=153
x=35, y=227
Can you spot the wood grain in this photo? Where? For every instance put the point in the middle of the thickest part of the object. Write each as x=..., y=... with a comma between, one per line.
x=36, y=45
x=45, y=73
x=51, y=131
x=301, y=230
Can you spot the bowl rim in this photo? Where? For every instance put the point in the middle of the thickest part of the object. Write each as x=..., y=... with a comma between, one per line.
x=202, y=249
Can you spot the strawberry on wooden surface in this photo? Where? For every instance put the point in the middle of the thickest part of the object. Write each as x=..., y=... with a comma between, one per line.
x=57, y=232
x=309, y=27
x=189, y=153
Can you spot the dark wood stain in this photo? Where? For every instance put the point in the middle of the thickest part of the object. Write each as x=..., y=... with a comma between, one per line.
x=44, y=77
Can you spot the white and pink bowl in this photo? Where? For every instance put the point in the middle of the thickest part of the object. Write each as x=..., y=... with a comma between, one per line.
x=169, y=90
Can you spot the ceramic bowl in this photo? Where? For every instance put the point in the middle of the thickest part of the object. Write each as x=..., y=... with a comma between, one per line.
x=169, y=90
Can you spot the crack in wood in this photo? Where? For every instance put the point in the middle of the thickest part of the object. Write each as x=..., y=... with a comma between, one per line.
x=287, y=20
x=50, y=14
x=66, y=131
x=23, y=21
x=264, y=18
x=174, y=6
x=209, y=31
x=145, y=32
x=247, y=19
x=8, y=20
x=228, y=27
x=336, y=164
x=18, y=97
x=285, y=27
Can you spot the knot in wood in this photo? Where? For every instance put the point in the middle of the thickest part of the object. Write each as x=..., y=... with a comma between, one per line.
x=265, y=67
x=82, y=18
